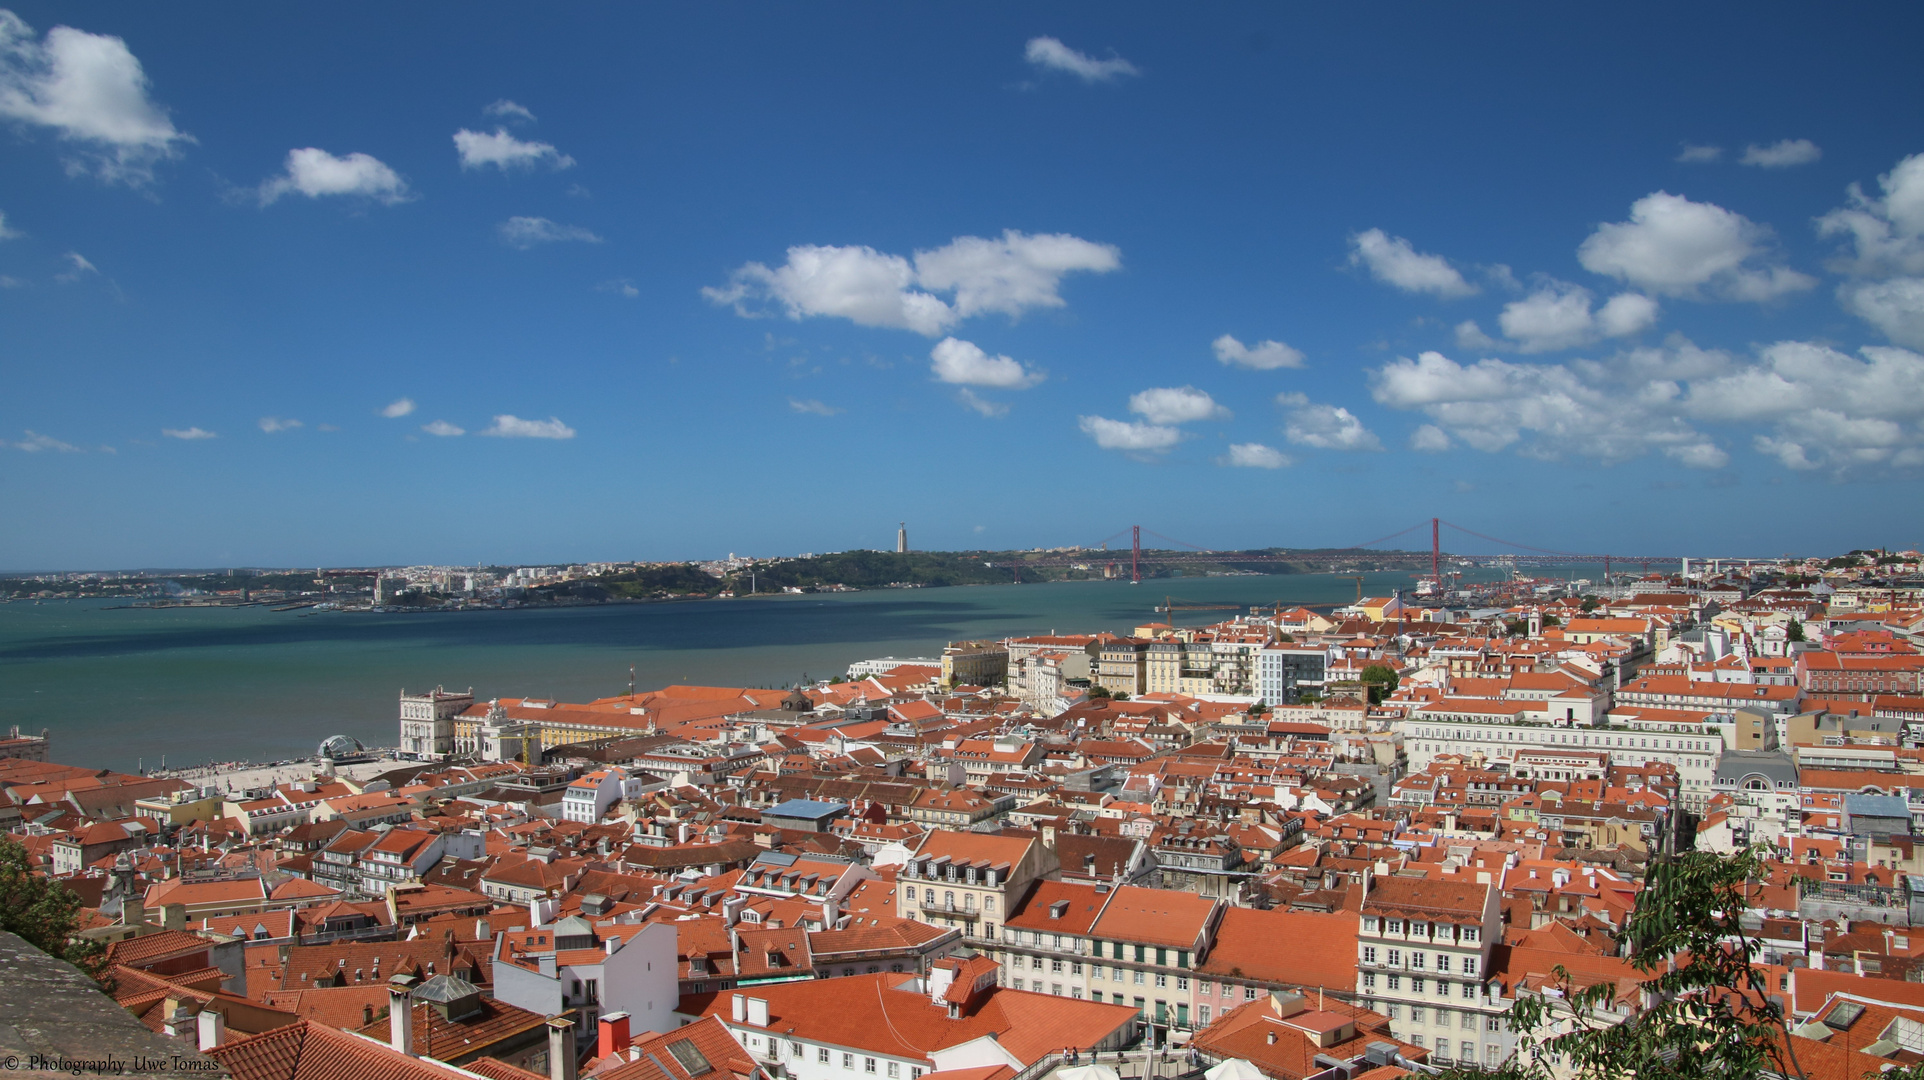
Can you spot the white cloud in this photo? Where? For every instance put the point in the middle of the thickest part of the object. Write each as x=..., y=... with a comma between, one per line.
x=479, y=149
x=621, y=287
x=969, y=399
x=77, y=267
x=1821, y=408
x=1558, y=316
x=444, y=429
x=1429, y=439
x=1129, y=436
x=1053, y=55
x=397, y=408
x=812, y=407
x=1700, y=155
x=1254, y=456
x=1263, y=356
x=1676, y=247
x=513, y=427
x=1471, y=336
x=1009, y=275
x=1326, y=427
x=36, y=443
x=965, y=364
x=190, y=434
x=92, y=92
x=6, y=233
x=272, y=424
x=1703, y=455
x=1887, y=232
x=317, y=174
x=1894, y=306
x=526, y=232
x=1393, y=261
x=1782, y=154
x=1175, y=405
x=509, y=109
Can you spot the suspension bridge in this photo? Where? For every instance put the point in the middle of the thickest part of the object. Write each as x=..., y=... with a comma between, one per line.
x=1336, y=558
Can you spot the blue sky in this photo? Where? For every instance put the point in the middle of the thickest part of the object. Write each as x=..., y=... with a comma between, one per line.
x=770, y=278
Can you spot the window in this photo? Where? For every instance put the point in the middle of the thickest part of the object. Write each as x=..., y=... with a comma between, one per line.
x=1182, y=982
x=988, y=904
x=821, y=1054
x=1393, y=926
x=1161, y=979
x=1468, y=1050
x=1467, y=990
x=1116, y=974
x=1469, y=1022
x=1202, y=1014
x=1396, y=958
x=1395, y=1012
x=1138, y=976
x=1055, y=967
x=1417, y=960
x=1095, y=971
x=895, y=1070
x=1369, y=980
x=1249, y=993
x=1369, y=954
x=1469, y=965
x=1442, y=961
x=1396, y=982
x=1416, y=986
x=1035, y=963
x=848, y=1062
x=1075, y=969
x=868, y=1065
x=910, y=894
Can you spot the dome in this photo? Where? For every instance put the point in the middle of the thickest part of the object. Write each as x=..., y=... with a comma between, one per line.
x=340, y=746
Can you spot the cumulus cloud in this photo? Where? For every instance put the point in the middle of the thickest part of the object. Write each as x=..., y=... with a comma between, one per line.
x=1699, y=155
x=5, y=232
x=1471, y=336
x=1820, y=408
x=1429, y=439
x=1894, y=306
x=444, y=429
x=963, y=363
x=190, y=434
x=319, y=174
x=479, y=149
x=1008, y=275
x=621, y=287
x=1559, y=316
x=971, y=400
x=812, y=407
x=1325, y=427
x=272, y=424
x=1886, y=232
x=509, y=110
x=513, y=427
x=1129, y=436
x=1393, y=261
x=91, y=92
x=527, y=232
x=1782, y=154
x=397, y=408
x=1675, y=247
x=1052, y=55
x=35, y=443
x=1253, y=456
x=1175, y=405
x=1263, y=356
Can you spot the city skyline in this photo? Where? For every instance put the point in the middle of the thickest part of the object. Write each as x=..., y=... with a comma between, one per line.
x=657, y=285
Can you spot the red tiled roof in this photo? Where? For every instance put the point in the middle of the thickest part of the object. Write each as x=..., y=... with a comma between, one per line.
x=310, y=1051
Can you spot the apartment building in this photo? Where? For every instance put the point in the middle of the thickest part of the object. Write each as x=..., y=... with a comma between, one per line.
x=1284, y=673
x=1422, y=958
x=427, y=722
x=970, y=880
x=1123, y=666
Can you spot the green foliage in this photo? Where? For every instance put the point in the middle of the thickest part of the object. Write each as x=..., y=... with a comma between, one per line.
x=44, y=912
x=647, y=581
x=1796, y=631
x=1712, y=1017
x=1381, y=681
x=1844, y=562
x=1588, y=605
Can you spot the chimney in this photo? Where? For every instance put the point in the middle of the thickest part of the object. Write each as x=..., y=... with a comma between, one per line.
x=482, y=931
x=738, y=1010
x=180, y=1020
x=173, y=916
x=614, y=1034
x=400, y=1017
x=213, y=1029
x=561, y=1049
x=133, y=911
x=758, y=1011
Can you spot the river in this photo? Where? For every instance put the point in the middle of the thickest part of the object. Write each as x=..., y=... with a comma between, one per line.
x=121, y=688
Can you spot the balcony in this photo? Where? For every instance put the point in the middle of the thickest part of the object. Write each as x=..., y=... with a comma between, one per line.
x=946, y=907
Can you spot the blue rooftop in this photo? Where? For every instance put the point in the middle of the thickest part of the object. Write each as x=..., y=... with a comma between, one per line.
x=806, y=810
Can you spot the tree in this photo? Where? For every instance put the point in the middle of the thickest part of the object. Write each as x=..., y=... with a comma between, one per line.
x=1710, y=1014
x=1796, y=631
x=1589, y=605
x=1381, y=681
x=44, y=912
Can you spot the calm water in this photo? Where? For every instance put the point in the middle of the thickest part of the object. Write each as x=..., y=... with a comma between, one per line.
x=117, y=688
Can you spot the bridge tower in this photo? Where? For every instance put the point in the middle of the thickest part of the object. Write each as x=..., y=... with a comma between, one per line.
x=1436, y=553
x=1135, y=554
